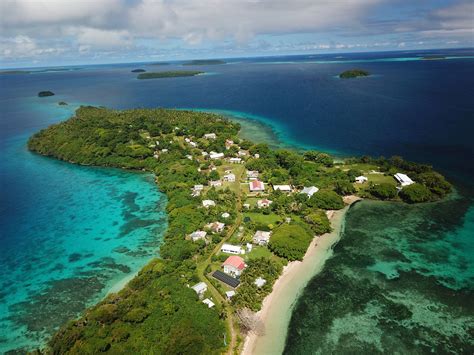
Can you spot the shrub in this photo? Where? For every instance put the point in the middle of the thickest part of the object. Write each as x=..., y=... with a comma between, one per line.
x=326, y=200
x=415, y=193
x=384, y=191
x=290, y=241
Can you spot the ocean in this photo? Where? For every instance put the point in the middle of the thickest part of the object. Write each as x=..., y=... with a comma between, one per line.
x=70, y=233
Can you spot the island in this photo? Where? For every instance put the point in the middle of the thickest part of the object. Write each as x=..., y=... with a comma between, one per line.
x=433, y=57
x=138, y=70
x=205, y=62
x=240, y=215
x=15, y=72
x=353, y=73
x=62, y=103
x=45, y=93
x=168, y=74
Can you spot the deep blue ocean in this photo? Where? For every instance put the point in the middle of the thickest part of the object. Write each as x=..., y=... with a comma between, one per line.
x=69, y=233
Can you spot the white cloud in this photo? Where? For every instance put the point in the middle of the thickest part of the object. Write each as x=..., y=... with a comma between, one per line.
x=103, y=39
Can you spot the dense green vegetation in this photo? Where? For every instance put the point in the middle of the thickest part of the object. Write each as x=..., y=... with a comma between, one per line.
x=415, y=193
x=353, y=73
x=383, y=191
x=45, y=93
x=168, y=74
x=290, y=241
x=138, y=70
x=205, y=62
x=249, y=295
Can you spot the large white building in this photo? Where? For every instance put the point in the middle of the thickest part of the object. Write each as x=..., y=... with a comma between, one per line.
x=208, y=203
x=197, y=235
x=403, y=179
x=232, y=249
x=200, y=288
x=282, y=188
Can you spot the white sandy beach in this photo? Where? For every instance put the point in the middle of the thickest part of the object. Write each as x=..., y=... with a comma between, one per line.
x=277, y=306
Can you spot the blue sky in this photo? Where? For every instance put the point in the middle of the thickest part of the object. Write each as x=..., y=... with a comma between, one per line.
x=67, y=32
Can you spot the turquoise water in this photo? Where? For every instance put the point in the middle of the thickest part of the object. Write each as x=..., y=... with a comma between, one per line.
x=401, y=281
x=72, y=233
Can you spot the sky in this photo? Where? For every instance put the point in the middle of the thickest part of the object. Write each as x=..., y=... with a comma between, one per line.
x=68, y=32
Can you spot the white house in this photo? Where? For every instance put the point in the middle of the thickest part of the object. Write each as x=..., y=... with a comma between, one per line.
x=209, y=303
x=229, y=143
x=164, y=150
x=197, y=235
x=187, y=140
x=214, y=155
x=215, y=227
x=246, y=206
x=256, y=156
x=232, y=249
x=215, y=183
x=225, y=215
x=234, y=265
x=230, y=294
x=204, y=154
x=310, y=191
x=403, y=179
x=361, y=179
x=242, y=153
x=229, y=177
x=208, y=203
x=261, y=237
x=198, y=187
x=190, y=157
x=210, y=136
x=256, y=186
x=200, y=288
x=264, y=203
x=193, y=144
x=252, y=174
x=235, y=160
x=259, y=282
x=282, y=188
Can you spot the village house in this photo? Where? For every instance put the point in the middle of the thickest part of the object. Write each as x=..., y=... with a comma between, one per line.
x=310, y=191
x=215, y=183
x=187, y=140
x=259, y=282
x=215, y=227
x=200, y=288
x=252, y=174
x=261, y=237
x=282, y=188
x=242, y=153
x=193, y=144
x=229, y=143
x=197, y=235
x=246, y=206
x=230, y=294
x=361, y=179
x=256, y=156
x=264, y=203
x=232, y=249
x=204, y=154
x=234, y=265
x=229, y=177
x=210, y=136
x=208, y=203
x=235, y=160
x=209, y=303
x=214, y=155
x=164, y=150
x=403, y=179
x=225, y=215
x=256, y=186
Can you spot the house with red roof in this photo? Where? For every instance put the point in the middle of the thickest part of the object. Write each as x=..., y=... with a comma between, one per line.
x=234, y=265
x=256, y=186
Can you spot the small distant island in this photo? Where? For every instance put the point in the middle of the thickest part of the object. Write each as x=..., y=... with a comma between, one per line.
x=160, y=63
x=45, y=93
x=353, y=73
x=205, y=62
x=138, y=70
x=15, y=72
x=62, y=103
x=168, y=74
x=433, y=57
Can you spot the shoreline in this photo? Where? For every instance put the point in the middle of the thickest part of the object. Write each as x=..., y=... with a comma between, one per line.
x=289, y=285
